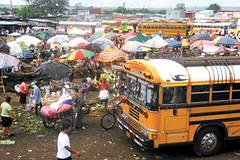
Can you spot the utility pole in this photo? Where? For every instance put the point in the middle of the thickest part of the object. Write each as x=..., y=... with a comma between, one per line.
x=12, y=12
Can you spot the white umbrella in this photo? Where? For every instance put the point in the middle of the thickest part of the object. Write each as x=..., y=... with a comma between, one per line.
x=76, y=41
x=131, y=46
x=77, y=31
x=156, y=42
x=28, y=40
x=14, y=48
x=59, y=39
x=8, y=61
x=14, y=34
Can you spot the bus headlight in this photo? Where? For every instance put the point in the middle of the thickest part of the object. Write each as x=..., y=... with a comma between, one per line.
x=145, y=131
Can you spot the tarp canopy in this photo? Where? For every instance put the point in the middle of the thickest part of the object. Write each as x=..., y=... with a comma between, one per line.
x=4, y=48
x=53, y=70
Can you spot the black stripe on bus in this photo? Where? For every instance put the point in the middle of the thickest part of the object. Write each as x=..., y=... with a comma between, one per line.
x=185, y=105
x=214, y=120
x=213, y=113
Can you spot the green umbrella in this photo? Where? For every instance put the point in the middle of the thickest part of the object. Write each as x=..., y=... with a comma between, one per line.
x=45, y=35
x=140, y=38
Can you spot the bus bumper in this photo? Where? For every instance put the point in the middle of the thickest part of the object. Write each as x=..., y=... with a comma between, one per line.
x=134, y=135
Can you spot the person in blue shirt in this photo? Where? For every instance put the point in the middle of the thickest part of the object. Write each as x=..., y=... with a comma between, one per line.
x=37, y=97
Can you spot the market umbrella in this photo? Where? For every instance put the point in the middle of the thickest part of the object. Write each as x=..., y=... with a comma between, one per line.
x=14, y=48
x=94, y=47
x=110, y=55
x=202, y=36
x=110, y=35
x=8, y=61
x=77, y=31
x=96, y=35
x=140, y=38
x=209, y=49
x=201, y=43
x=45, y=35
x=103, y=42
x=28, y=40
x=129, y=35
x=80, y=54
x=156, y=42
x=78, y=42
x=225, y=41
x=14, y=34
x=4, y=48
x=185, y=43
x=25, y=55
x=131, y=46
x=53, y=70
x=59, y=39
x=173, y=43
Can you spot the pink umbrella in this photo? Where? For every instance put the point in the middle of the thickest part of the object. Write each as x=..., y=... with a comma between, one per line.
x=129, y=36
x=212, y=49
x=201, y=43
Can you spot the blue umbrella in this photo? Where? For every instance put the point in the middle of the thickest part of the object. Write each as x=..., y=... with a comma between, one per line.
x=173, y=43
x=25, y=55
x=227, y=41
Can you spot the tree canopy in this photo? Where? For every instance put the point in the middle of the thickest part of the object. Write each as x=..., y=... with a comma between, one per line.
x=181, y=6
x=41, y=8
x=215, y=7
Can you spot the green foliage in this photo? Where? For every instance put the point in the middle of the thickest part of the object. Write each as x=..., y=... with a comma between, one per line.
x=24, y=12
x=42, y=8
x=181, y=6
x=215, y=7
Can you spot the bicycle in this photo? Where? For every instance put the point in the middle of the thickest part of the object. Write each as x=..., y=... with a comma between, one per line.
x=109, y=119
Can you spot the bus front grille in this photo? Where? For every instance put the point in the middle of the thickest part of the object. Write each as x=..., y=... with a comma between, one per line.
x=133, y=113
x=134, y=124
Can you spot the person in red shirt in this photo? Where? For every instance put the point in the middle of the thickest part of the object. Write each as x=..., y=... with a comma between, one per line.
x=23, y=93
x=103, y=92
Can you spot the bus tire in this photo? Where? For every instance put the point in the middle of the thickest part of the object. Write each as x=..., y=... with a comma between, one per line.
x=208, y=141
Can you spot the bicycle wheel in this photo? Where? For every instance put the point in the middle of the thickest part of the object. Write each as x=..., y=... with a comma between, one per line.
x=49, y=123
x=108, y=121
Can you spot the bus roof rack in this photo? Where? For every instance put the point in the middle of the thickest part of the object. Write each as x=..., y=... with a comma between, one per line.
x=207, y=61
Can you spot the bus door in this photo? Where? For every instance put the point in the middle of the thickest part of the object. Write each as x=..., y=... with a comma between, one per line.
x=174, y=115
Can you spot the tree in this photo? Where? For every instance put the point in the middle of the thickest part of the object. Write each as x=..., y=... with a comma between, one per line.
x=215, y=7
x=43, y=8
x=181, y=6
x=25, y=12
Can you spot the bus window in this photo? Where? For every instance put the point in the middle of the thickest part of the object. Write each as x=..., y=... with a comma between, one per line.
x=200, y=93
x=172, y=95
x=152, y=97
x=156, y=27
x=236, y=91
x=142, y=92
x=144, y=27
x=160, y=27
x=220, y=92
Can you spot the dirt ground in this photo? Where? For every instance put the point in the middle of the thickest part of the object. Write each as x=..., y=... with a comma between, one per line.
x=97, y=144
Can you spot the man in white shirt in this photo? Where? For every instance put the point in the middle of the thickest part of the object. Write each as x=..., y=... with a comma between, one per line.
x=63, y=144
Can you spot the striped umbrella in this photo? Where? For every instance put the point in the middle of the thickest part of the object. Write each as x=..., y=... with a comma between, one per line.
x=80, y=54
x=111, y=54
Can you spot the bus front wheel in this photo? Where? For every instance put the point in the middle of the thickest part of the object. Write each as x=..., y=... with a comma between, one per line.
x=208, y=141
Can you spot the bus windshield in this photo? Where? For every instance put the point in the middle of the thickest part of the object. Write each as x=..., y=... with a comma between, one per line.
x=142, y=92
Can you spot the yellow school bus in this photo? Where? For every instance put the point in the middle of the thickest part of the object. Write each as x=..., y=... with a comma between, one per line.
x=182, y=101
x=166, y=28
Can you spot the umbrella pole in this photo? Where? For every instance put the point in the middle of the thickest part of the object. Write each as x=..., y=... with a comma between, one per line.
x=1, y=81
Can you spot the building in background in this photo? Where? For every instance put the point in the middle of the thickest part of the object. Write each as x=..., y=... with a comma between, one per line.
x=228, y=14
x=205, y=14
x=175, y=14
